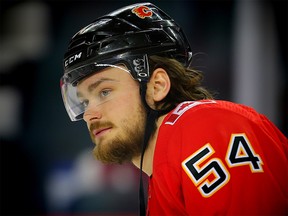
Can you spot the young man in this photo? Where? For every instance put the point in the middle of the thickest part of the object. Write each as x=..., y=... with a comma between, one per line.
x=128, y=76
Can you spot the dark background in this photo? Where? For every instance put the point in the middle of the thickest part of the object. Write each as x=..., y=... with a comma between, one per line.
x=46, y=162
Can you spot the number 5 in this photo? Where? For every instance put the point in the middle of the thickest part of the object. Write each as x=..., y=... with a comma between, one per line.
x=199, y=173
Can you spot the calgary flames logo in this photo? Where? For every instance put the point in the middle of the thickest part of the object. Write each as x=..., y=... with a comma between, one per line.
x=142, y=11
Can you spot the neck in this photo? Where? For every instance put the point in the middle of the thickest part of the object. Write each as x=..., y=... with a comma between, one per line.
x=149, y=152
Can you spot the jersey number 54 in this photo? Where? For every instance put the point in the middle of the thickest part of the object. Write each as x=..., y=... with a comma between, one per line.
x=239, y=153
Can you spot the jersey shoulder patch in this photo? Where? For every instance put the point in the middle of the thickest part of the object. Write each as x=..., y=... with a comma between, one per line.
x=184, y=107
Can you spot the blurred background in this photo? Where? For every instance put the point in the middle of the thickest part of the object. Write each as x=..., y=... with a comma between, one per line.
x=46, y=163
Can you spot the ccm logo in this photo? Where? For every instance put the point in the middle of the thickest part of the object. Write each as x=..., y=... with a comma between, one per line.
x=72, y=59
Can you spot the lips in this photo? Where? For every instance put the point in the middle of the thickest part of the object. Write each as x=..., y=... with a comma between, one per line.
x=101, y=131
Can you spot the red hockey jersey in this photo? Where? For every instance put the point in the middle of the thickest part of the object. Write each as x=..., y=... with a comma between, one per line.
x=218, y=158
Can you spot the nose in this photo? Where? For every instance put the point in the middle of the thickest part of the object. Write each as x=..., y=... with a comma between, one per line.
x=92, y=114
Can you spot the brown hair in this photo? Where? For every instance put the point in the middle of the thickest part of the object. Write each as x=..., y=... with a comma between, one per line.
x=185, y=82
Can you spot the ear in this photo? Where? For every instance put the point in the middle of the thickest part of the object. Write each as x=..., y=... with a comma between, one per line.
x=159, y=84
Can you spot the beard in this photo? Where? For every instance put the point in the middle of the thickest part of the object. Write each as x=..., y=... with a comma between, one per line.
x=125, y=145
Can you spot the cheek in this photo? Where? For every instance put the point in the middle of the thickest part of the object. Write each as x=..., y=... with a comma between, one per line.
x=131, y=97
x=126, y=103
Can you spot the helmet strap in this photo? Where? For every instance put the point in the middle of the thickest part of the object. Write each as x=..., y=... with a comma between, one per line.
x=150, y=126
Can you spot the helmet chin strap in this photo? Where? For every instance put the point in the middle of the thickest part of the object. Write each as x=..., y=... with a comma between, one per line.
x=150, y=126
x=152, y=116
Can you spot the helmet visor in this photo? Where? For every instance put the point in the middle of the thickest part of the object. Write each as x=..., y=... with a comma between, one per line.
x=73, y=102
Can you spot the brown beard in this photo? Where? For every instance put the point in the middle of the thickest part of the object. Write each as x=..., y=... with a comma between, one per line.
x=123, y=147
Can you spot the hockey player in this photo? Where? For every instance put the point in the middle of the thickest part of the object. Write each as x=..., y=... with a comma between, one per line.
x=128, y=75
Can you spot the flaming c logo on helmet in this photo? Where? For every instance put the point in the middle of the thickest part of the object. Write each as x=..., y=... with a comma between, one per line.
x=142, y=11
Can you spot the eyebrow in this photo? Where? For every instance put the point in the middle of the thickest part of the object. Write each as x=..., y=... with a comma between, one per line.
x=94, y=85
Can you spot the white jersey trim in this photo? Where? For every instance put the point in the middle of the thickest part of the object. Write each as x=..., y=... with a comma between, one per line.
x=182, y=108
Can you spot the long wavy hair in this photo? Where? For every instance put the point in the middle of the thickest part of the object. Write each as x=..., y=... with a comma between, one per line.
x=185, y=82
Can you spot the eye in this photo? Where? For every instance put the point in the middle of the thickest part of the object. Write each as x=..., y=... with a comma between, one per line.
x=105, y=92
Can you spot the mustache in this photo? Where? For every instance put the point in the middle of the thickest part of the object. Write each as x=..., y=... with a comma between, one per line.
x=98, y=125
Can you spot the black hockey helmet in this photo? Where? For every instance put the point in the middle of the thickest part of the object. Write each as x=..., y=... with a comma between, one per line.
x=129, y=36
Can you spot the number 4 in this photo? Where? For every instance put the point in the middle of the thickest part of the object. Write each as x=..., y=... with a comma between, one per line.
x=240, y=152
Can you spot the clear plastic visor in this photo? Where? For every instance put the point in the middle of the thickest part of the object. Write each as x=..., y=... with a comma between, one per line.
x=73, y=102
